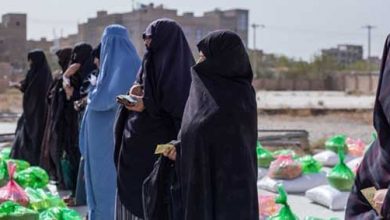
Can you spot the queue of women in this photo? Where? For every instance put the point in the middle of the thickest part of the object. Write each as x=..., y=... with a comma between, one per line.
x=101, y=146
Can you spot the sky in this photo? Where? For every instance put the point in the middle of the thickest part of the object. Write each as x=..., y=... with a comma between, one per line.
x=296, y=28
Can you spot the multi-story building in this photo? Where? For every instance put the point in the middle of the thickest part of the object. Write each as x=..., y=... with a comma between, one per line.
x=13, y=44
x=136, y=21
x=345, y=54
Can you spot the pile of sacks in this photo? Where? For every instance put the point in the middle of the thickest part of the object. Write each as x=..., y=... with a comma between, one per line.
x=296, y=174
x=24, y=194
x=325, y=178
x=277, y=207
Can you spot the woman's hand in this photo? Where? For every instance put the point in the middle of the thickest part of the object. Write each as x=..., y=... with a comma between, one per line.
x=68, y=91
x=72, y=69
x=137, y=93
x=170, y=153
x=379, y=198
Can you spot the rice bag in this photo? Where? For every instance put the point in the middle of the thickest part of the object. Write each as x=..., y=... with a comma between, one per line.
x=341, y=176
x=264, y=157
x=41, y=200
x=11, y=210
x=329, y=197
x=337, y=142
x=284, y=167
x=12, y=191
x=285, y=212
x=297, y=185
x=309, y=164
x=267, y=206
x=356, y=147
x=57, y=213
x=34, y=177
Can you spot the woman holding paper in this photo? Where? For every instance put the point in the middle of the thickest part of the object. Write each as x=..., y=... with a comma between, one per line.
x=369, y=198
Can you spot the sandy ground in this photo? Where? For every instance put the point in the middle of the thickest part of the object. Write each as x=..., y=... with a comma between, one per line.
x=355, y=125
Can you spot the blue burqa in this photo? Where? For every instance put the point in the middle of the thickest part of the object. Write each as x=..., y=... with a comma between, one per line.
x=119, y=64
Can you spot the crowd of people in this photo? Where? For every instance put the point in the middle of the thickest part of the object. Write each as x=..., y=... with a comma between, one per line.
x=95, y=126
x=163, y=137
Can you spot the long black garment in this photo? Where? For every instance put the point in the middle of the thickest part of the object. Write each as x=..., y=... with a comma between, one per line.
x=61, y=132
x=165, y=77
x=31, y=125
x=374, y=171
x=217, y=158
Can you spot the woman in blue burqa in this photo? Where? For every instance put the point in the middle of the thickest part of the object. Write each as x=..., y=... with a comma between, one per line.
x=119, y=64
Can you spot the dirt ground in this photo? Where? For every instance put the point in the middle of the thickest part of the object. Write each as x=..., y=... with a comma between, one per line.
x=321, y=126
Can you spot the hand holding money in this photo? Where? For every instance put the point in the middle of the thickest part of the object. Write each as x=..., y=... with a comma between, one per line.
x=168, y=150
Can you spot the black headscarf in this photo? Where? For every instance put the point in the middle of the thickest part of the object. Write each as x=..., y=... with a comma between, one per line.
x=96, y=51
x=165, y=76
x=374, y=171
x=217, y=158
x=82, y=54
x=64, y=56
x=60, y=140
x=31, y=125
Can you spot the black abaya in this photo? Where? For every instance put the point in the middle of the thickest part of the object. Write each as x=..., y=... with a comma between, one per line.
x=61, y=132
x=165, y=77
x=217, y=156
x=374, y=171
x=31, y=125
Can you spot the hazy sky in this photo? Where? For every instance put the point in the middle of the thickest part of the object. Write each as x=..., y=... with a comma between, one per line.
x=298, y=28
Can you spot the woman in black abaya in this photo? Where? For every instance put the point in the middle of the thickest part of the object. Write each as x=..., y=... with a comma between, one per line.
x=31, y=125
x=162, y=88
x=60, y=139
x=374, y=171
x=216, y=157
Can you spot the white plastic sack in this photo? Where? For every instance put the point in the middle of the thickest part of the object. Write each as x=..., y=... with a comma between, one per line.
x=297, y=185
x=261, y=172
x=329, y=197
x=355, y=163
x=329, y=158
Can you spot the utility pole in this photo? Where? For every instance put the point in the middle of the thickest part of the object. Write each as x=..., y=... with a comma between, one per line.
x=255, y=26
x=369, y=28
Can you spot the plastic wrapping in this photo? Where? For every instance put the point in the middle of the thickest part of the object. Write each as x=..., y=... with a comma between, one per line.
x=356, y=147
x=337, y=142
x=267, y=206
x=11, y=210
x=264, y=157
x=34, y=177
x=285, y=152
x=59, y=214
x=5, y=153
x=341, y=176
x=12, y=191
x=309, y=164
x=41, y=200
x=284, y=167
x=285, y=212
x=20, y=164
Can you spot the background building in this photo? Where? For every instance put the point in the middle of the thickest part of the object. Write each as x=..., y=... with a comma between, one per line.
x=345, y=54
x=194, y=27
x=13, y=43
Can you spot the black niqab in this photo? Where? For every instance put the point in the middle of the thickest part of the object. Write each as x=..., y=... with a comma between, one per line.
x=82, y=54
x=31, y=125
x=374, y=171
x=165, y=77
x=64, y=56
x=217, y=158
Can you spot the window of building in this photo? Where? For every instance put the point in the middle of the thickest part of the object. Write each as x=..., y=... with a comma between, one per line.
x=242, y=22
